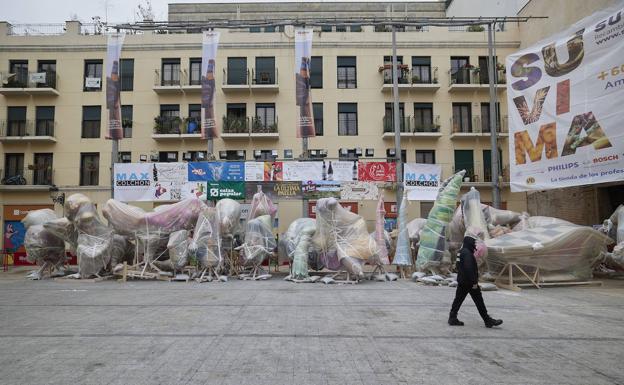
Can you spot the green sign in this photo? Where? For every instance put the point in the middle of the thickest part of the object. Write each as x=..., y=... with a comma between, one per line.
x=220, y=190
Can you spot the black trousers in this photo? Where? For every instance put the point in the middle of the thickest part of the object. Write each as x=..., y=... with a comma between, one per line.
x=460, y=295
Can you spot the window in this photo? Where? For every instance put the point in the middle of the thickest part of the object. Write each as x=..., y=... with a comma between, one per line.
x=265, y=118
x=402, y=71
x=388, y=121
x=425, y=156
x=316, y=72
x=269, y=29
x=421, y=69
x=487, y=164
x=20, y=69
x=235, y=121
x=347, y=119
x=127, y=74
x=42, y=169
x=16, y=121
x=484, y=75
x=169, y=120
x=170, y=69
x=326, y=28
x=49, y=68
x=485, y=117
x=423, y=117
x=168, y=156
x=93, y=75
x=460, y=73
x=13, y=165
x=193, y=122
x=356, y=28
x=91, y=116
x=317, y=113
x=124, y=157
x=44, y=124
x=195, y=156
x=347, y=74
x=255, y=29
x=265, y=70
x=392, y=159
x=195, y=71
x=464, y=161
x=237, y=70
x=89, y=168
x=462, y=117
x=126, y=121
x=341, y=28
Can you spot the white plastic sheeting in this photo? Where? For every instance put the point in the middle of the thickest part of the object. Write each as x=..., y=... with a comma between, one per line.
x=403, y=255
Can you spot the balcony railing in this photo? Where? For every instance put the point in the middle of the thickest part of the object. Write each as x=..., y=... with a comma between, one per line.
x=168, y=78
x=37, y=175
x=408, y=76
x=404, y=124
x=421, y=126
x=474, y=75
x=22, y=79
x=238, y=78
x=258, y=126
x=235, y=125
x=504, y=174
x=269, y=77
x=478, y=126
x=165, y=125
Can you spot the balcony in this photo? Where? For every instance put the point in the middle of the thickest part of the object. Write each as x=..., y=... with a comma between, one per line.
x=478, y=128
x=411, y=127
x=27, y=84
x=235, y=82
x=473, y=79
x=407, y=80
x=405, y=128
x=175, y=128
x=265, y=81
x=248, y=127
x=168, y=83
x=35, y=177
x=27, y=131
x=427, y=129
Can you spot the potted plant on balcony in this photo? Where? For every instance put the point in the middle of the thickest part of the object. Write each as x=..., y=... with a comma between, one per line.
x=475, y=28
x=415, y=79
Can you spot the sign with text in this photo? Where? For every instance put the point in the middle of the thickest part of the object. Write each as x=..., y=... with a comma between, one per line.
x=422, y=181
x=321, y=189
x=565, y=106
x=216, y=171
x=377, y=171
x=351, y=206
x=360, y=191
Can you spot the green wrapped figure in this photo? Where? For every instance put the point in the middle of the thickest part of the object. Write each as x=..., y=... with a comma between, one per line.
x=433, y=236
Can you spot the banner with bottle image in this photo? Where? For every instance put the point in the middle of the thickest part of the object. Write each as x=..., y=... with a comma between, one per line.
x=303, y=96
x=565, y=106
x=210, y=44
x=113, y=85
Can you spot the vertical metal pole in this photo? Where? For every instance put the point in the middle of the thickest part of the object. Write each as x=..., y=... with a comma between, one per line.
x=210, y=154
x=493, y=132
x=304, y=155
x=114, y=157
x=396, y=116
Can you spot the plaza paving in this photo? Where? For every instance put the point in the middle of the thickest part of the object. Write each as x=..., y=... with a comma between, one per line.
x=277, y=332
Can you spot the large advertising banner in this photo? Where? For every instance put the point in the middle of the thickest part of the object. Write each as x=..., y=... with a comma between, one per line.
x=210, y=44
x=565, y=106
x=301, y=171
x=303, y=58
x=220, y=190
x=340, y=170
x=360, y=191
x=377, y=171
x=275, y=190
x=216, y=171
x=136, y=182
x=422, y=181
x=321, y=189
x=113, y=85
x=254, y=171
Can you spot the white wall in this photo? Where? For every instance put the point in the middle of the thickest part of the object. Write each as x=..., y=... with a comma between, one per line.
x=487, y=8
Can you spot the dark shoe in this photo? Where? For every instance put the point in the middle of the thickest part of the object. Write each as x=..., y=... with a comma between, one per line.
x=453, y=321
x=490, y=322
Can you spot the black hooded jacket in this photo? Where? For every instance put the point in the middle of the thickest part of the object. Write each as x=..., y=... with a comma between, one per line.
x=467, y=270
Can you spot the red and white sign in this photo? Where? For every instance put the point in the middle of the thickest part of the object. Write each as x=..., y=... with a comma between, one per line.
x=377, y=171
x=351, y=206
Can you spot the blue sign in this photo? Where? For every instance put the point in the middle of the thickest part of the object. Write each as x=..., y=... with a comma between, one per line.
x=216, y=171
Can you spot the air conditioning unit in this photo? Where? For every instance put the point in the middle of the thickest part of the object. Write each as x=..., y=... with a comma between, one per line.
x=187, y=156
x=257, y=154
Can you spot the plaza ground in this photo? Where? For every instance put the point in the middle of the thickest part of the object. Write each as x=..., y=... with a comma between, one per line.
x=277, y=332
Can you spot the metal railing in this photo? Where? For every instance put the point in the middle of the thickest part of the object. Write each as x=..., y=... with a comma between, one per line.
x=408, y=76
x=36, y=29
x=42, y=79
x=22, y=128
x=260, y=127
x=487, y=173
x=404, y=124
x=235, y=125
x=424, y=126
x=159, y=79
x=166, y=125
x=265, y=77
x=484, y=124
x=474, y=75
x=37, y=175
x=242, y=78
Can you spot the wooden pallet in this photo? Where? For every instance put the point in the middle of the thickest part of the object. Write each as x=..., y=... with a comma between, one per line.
x=536, y=280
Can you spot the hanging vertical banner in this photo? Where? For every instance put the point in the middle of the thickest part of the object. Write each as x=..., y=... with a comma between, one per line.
x=210, y=43
x=303, y=53
x=565, y=106
x=113, y=85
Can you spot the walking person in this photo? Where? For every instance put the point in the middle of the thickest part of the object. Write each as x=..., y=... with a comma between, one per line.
x=468, y=283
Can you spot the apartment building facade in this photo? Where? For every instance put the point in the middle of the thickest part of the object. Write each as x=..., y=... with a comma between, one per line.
x=53, y=131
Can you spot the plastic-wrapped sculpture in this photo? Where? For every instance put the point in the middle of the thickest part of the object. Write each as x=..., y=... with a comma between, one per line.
x=342, y=235
x=206, y=244
x=615, y=229
x=229, y=212
x=473, y=214
x=296, y=245
x=259, y=241
x=432, y=253
x=403, y=255
x=381, y=258
x=42, y=246
x=64, y=229
x=414, y=228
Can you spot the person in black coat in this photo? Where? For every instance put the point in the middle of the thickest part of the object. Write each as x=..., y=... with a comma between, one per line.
x=468, y=283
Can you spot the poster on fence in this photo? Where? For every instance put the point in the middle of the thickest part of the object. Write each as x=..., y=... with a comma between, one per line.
x=216, y=171
x=320, y=189
x=339, y=170
x=359, y=191
x=275, y=190
x=220, y=190
x=300, y=171
x=377, y=171
x=254, y=171
x=422, y=181
x=565, y=115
